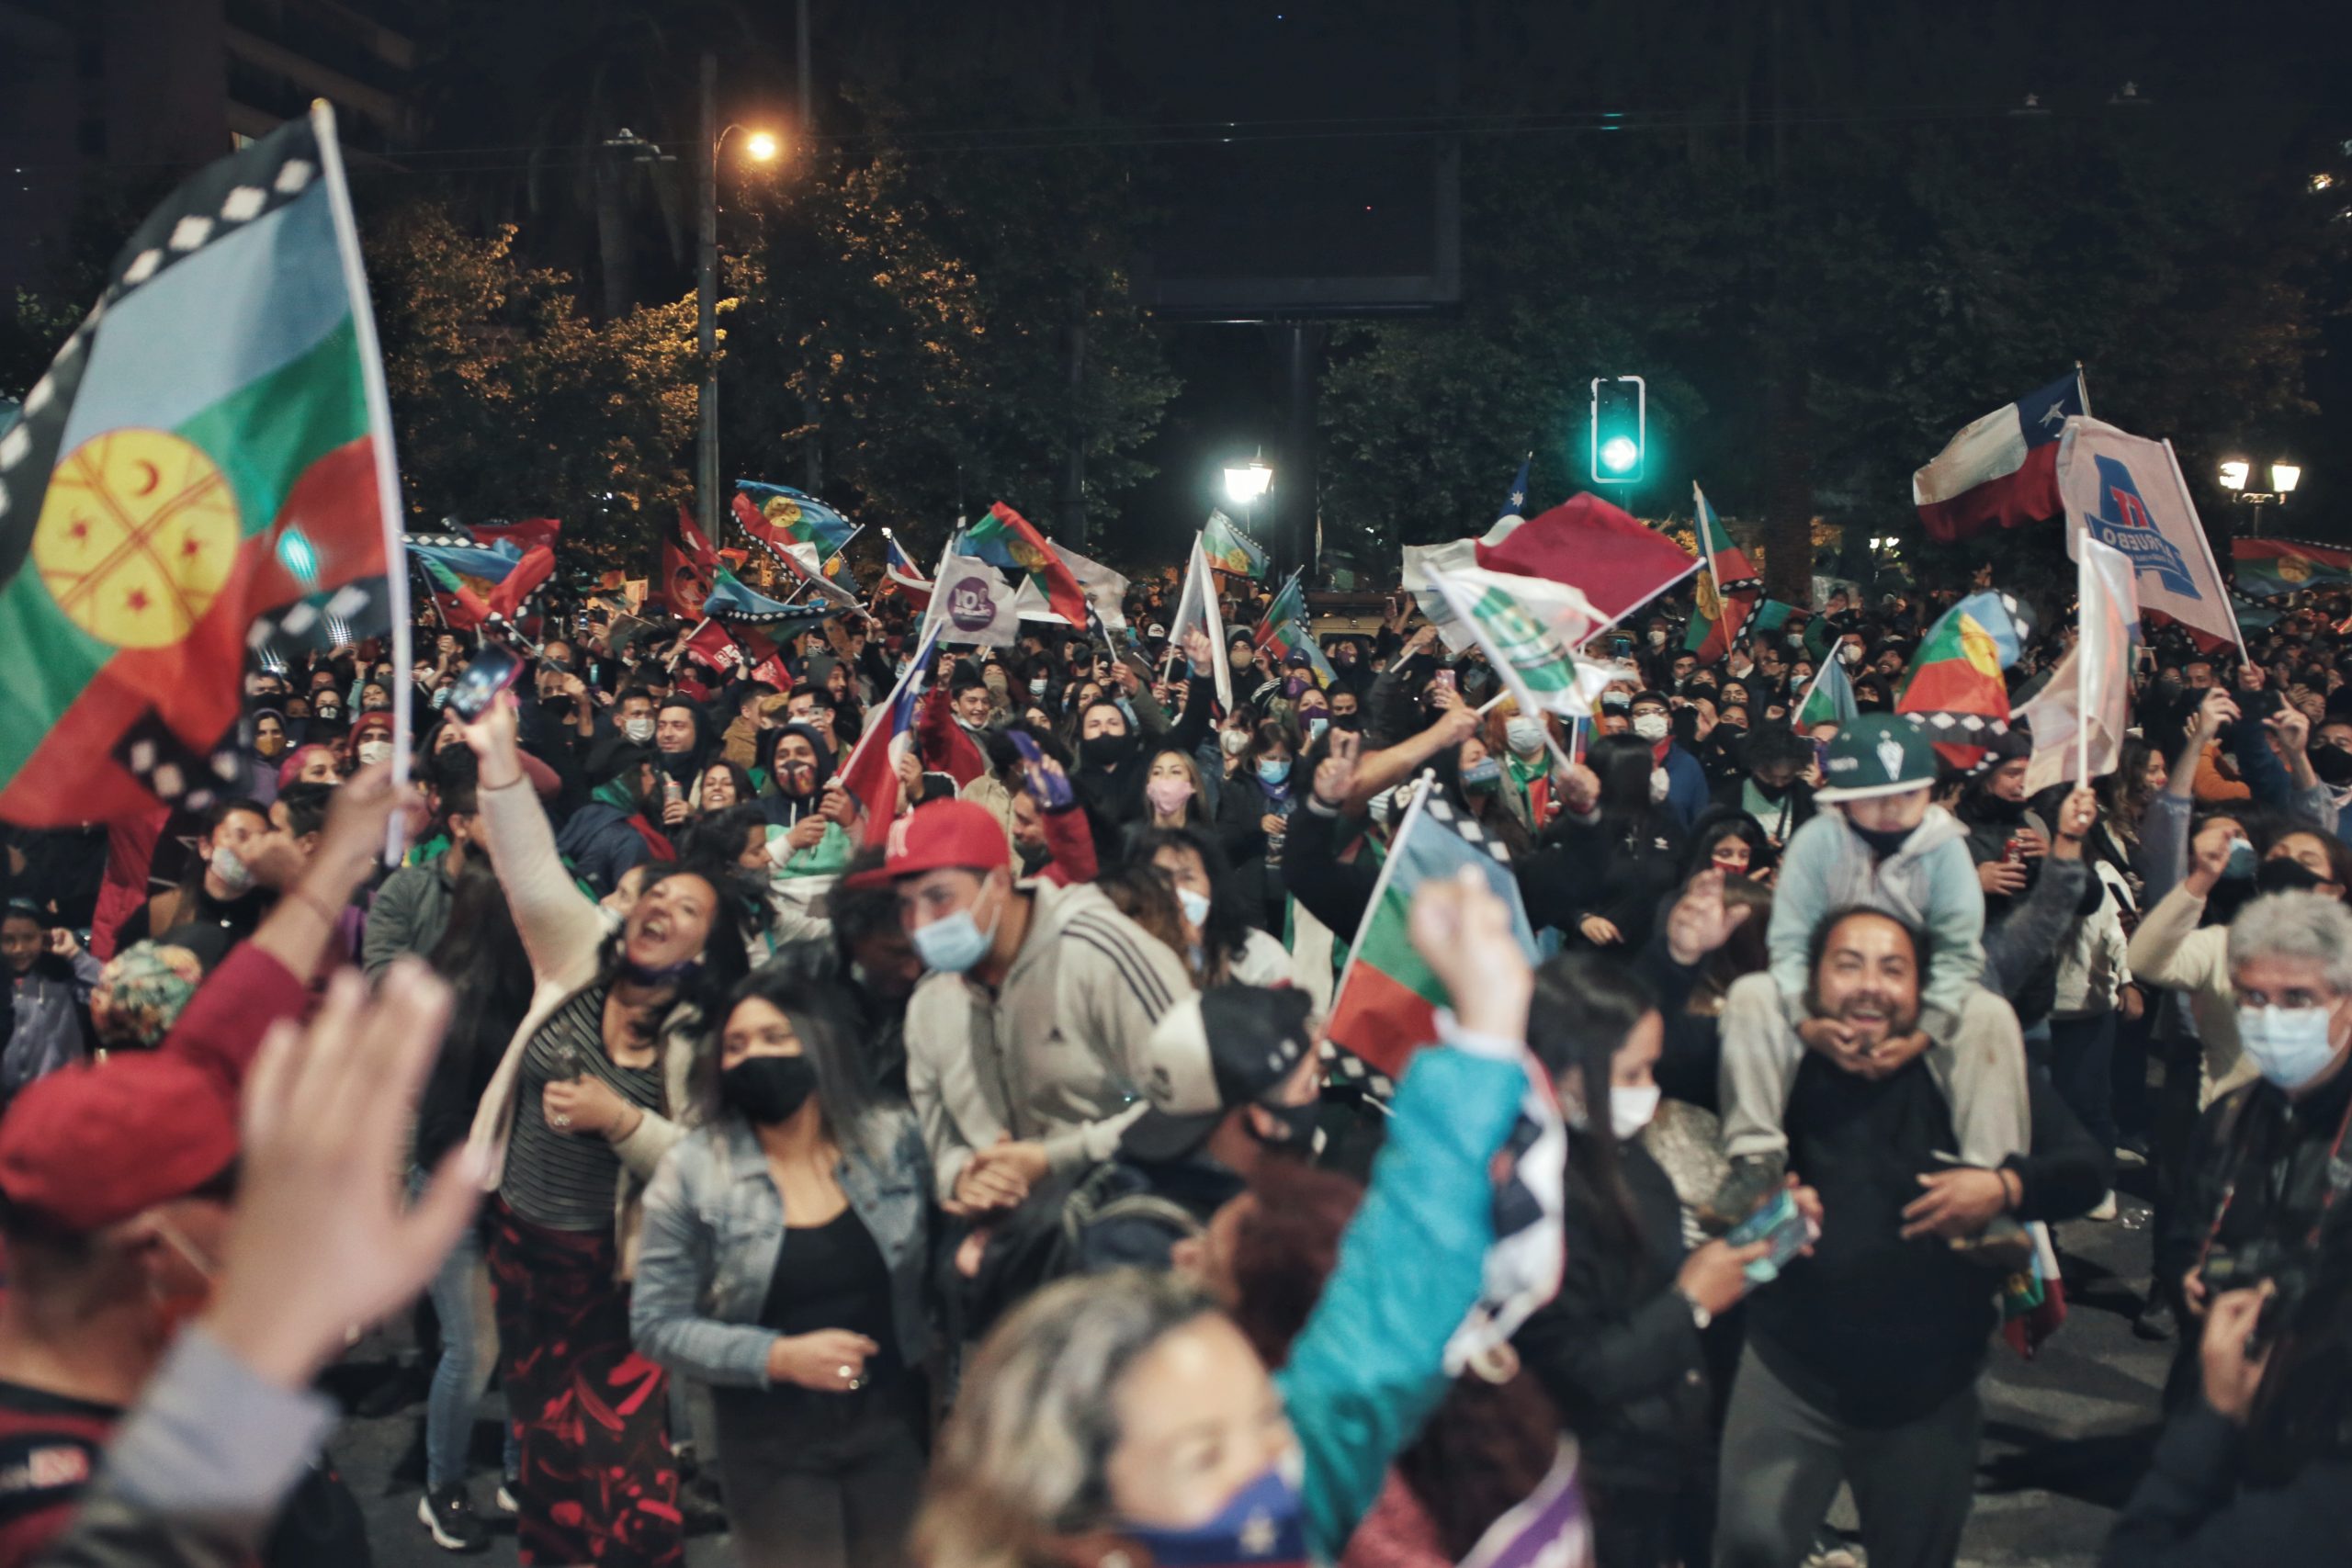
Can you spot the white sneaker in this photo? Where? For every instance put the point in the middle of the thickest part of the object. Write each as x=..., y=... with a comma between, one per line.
x=506, y=1503
x=2104, y=1209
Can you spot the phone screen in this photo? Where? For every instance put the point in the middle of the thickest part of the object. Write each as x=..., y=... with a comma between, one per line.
x=492, y=671
x=1782, y=1223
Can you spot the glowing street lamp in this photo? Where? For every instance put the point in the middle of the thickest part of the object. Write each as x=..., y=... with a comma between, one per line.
x=761, y=146
x=1249, y=481
x=2237, y=473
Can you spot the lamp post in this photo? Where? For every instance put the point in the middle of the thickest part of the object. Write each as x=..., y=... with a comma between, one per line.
x=762, y=147
x=1245, y=484
x=2236, y=472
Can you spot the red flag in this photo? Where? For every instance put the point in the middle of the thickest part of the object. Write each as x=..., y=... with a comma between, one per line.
x=535, y=566
x=689, y=569
x=526, y=533
x=713, y=649
x=1604, y=553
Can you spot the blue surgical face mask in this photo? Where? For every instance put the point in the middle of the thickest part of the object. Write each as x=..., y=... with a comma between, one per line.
x=1273, y=770
x=952, y=944
x=2288, y=1045
x=1195, y=905
x=2242, y=860
x=1482, y=774
x=1264, y=1523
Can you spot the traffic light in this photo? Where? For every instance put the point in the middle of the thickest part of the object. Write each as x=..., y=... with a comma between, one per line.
x=1619, y=429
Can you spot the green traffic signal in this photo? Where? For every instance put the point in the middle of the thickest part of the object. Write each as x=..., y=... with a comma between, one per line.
x=1619, y=433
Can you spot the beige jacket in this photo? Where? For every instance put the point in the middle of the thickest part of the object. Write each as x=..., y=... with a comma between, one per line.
x=564, y=933
x=2170, y=949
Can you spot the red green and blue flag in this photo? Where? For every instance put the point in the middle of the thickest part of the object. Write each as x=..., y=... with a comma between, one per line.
x=1386, y=1008
x=1284, y=629
x=205, y=470
x=1728, y=587
x=1009, y=541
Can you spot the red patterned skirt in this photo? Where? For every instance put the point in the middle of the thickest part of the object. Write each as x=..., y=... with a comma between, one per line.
x=598, y=1484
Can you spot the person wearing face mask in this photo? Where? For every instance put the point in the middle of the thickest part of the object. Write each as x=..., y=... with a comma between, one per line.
x=804, y=1310
x=615, y=828
x=1771, y=786
x=1622, y=1349
x=222, y=890
x=1124, y=1412
x=371, y=739
x=1223, y=946
x=1254, y=817
x=1526, y=759
x=589, y=1094
x=1686, y=781
x=1232, y=1076
x=1025, y=1040
x=1173, y=792
x=2263, y=1179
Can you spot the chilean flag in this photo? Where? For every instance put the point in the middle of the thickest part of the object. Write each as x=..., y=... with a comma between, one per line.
x=2002, y=470
x=900, y=573
x=871, y=773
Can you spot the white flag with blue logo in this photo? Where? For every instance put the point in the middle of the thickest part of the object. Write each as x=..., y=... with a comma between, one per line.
x=2127, y=492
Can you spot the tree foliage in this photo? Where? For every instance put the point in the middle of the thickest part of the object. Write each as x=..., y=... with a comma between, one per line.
x=508, y=402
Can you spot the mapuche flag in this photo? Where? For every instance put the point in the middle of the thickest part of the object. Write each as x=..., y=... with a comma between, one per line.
x=1285, y=629
x=2272, y=569
x=1387, y=1005
x=1007, y=540
x=1229, y=549
x=207, y=469
x=1728, y=588
x=1954, y=690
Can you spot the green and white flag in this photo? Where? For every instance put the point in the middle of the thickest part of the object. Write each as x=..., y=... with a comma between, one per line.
x=1530, y=629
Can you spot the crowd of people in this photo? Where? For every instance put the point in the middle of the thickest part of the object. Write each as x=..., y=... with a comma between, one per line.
x=977, y=1187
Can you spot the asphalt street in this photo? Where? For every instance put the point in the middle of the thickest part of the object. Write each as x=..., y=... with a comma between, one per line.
x=2066, y=1435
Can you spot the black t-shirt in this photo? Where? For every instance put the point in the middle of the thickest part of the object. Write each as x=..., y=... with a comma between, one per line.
x=833, y=1276
x=1873, y=1329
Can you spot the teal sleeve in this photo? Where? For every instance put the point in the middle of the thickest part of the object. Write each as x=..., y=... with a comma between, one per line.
x=1955, y=940
x=824, y=858
x=1369, y=1365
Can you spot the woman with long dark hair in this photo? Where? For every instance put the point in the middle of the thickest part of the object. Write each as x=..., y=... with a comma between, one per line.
x=1224, y=947
x=1627, y=850
x=783, y=1266
x=481, y=954
x=591, y=1093
x=1619, y=1349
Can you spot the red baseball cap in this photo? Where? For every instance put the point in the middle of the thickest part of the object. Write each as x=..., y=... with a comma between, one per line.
x=943, y=833
x=91, y=1144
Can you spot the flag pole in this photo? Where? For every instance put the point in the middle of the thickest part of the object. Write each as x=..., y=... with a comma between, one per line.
x=2082, y=389
x=2082, y=668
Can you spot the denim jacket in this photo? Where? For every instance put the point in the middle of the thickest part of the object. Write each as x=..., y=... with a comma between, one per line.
x=714, y=1227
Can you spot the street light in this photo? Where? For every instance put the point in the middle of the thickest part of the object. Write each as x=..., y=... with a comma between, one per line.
x=761, y=146
x=1245, y=484
x=2237, y=473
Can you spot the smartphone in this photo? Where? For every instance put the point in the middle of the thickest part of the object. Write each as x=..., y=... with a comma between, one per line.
x=2013, y=852
x=1782, y=1223
x=492, y=671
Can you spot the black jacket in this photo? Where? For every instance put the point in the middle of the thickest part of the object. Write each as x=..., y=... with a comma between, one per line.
x=1618, y=1350
x=1872, y=1330
x=2275, y=1150
x=2192, y=1510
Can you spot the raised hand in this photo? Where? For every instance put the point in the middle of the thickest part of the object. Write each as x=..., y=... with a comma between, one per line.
x=1335, y=775
x=321, y=1238
x=1700, y=922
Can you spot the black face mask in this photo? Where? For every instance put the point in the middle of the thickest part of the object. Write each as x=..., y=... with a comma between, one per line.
x=1884, y=841
x=768, y=1089
x=1104, y=751
x=2332, y=764
x=2284, y=876
x=1774, y=793
x=1034, y=858
x=1296, y=1131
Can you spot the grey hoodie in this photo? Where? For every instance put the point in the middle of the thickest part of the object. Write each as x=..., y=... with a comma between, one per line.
x=1929, y=884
